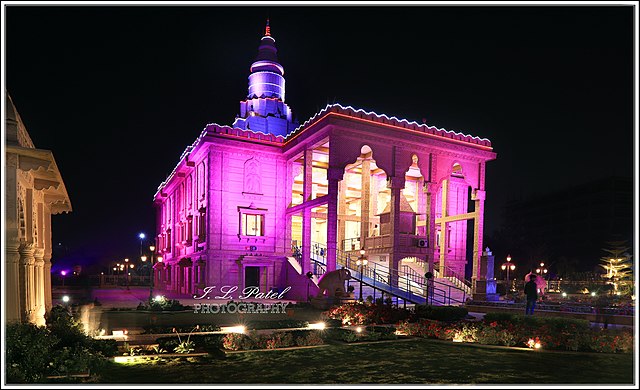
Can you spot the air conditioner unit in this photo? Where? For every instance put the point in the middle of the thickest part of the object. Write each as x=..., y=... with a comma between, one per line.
x=422, y=244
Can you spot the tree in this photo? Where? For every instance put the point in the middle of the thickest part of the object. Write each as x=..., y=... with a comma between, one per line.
x=619, y=267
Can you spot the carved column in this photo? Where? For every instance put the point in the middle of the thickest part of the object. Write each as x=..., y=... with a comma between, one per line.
x=307, y=195
x=39, y=287
x=443, y=227
x=373, y=199
x=334, y=175
x=430, y=222
x=47, y=259
x=27, y=290
x=342, y=211
x=365, y=201
x=396, y=184
x=12, y=278
x=478, y=196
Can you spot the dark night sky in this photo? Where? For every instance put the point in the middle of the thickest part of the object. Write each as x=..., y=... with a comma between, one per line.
x=117, y=93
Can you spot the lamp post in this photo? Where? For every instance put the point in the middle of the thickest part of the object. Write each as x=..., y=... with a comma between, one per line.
x=141, y=236
x=361, y=262
x=542, y=271
x=63, y=273
x=126, y=271
x=152, y=248
x=509, y=266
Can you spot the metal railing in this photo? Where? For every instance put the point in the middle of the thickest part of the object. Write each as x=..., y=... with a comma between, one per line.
x=409, y=286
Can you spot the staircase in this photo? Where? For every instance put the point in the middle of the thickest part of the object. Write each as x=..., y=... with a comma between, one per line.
x=406, y=285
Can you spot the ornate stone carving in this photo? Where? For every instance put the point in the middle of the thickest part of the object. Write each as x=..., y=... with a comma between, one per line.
x=252, y=177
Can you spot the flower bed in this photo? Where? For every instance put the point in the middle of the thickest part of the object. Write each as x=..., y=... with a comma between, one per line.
x=283, y=339
x=368, y=313
x=553, y=333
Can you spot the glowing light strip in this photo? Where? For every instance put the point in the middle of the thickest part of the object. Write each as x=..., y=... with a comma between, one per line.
x=267, y=63
x=415, y=131
x=264, y=98
x=393, y=118
x=204, y=133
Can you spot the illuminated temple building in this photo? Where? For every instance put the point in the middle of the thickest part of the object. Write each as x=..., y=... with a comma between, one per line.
x=266, y=200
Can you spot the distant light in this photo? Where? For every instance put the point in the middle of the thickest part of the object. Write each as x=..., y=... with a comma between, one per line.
x=63, y=273
x=141, y=235
x=160, y=258
x=101, y=273
x=593, y=294
x=564, y=295
x=65, y=299
x=317, y=325
x=359, y=329
x=158, y=298
x=233, y=329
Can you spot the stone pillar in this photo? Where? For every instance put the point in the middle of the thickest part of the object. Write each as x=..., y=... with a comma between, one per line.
x=484, y=287
x=443, y=228
x=307, y=194
x=27, y=290
x=396, y=184
x=430, y=222
x=478, y=197
x=39, y=288
x=342, y=211
x=12, y=289
x=365, y=200
x=373, y=198
x=334, y=175
x=47, y=260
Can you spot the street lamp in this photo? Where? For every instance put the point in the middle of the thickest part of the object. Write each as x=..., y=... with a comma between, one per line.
x=509, y=266
x=63, y=273
x=542, y=270
x=361, y=262
x=141, y=236
x=152, y=248
x=126, y=261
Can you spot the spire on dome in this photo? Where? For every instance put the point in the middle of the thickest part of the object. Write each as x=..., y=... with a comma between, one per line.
x=267, y=29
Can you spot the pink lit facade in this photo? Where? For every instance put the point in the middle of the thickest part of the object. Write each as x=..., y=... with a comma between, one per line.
x=244, y=199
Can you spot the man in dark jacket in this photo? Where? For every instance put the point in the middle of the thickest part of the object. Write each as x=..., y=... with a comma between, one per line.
x=531, y=291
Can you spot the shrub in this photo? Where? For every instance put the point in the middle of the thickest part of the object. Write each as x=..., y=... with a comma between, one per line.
x=60, y=348
x=236, y=341
x=384, y=330
x=342, y=334
x=311, y=337
x=163, y=304
x=27, y=352
x=367, y=313
x=280, y=340
x=185, y=347
x=333, y=323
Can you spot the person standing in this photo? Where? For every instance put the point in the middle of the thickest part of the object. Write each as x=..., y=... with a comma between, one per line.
x=531, y=291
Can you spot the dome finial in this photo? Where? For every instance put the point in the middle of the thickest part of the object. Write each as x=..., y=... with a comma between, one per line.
x=267, y=30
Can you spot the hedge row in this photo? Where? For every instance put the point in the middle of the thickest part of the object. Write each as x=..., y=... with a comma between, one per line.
x=555, y=333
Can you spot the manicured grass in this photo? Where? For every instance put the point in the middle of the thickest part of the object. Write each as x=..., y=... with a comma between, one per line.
x=418, y=361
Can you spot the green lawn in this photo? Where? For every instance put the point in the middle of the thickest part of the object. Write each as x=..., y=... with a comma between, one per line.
x=418, y=361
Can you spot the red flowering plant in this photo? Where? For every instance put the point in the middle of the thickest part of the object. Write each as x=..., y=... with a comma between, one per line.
x=367, y=313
